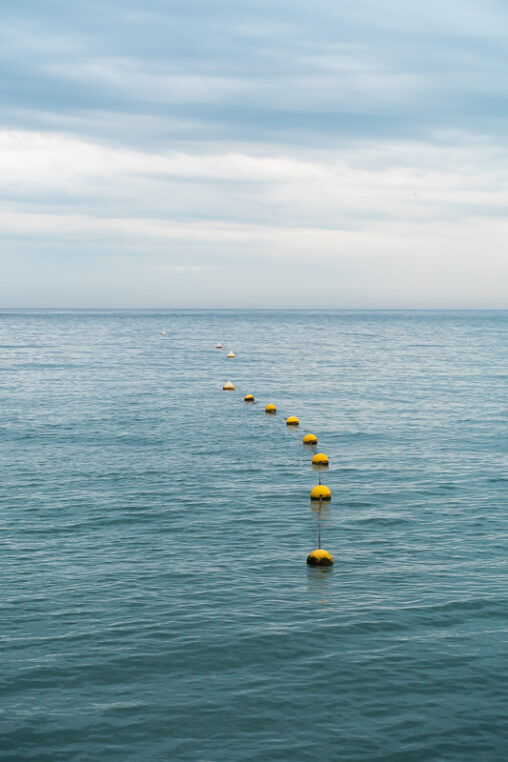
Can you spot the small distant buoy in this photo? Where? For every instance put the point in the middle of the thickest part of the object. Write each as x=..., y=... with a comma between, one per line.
x=320, y=459
x=163, y=333
x=292, y=421
x=218, y=346
x=320, y=558
x=320, y=492
x=270, y=409
x=228, y=387
x=310, y=439
x=248, y=398
x=231, y=354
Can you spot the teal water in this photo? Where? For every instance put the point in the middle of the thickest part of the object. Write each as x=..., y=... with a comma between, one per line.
x=155, y=603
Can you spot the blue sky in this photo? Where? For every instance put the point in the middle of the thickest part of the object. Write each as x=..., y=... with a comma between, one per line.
x=257, y=154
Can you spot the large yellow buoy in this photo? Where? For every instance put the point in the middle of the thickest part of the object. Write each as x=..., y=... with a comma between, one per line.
x=320, y=558
x=310, y=439
x=249, y=398
x=320, y=492
x=163, y=333
x=292, y=421
x=270, y=409
x=320, y=459
x=231, y=354
x=228, y=387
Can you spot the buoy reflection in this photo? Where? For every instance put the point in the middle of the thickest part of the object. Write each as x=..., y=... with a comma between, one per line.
x=321, y=509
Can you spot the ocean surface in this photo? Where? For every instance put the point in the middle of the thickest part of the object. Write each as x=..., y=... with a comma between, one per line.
x=155, y=602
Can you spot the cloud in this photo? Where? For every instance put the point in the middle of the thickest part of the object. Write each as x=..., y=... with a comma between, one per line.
x=276, y=73
x=408, y=182
x=203, y=138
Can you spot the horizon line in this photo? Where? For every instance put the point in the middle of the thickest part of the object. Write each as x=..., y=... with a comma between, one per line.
x=257, y=309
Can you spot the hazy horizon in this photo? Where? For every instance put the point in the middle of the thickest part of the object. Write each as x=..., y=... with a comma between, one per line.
x=250, y=309
x=253, y=155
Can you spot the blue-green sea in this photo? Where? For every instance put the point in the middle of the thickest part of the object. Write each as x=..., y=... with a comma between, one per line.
x=155, y=602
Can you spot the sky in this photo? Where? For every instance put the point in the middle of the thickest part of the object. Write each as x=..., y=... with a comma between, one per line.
x=212, y=153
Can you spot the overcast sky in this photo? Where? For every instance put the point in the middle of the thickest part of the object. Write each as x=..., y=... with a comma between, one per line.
x=254, y=154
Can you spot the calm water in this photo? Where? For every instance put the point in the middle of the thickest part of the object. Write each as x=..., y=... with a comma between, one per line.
x=155, y=601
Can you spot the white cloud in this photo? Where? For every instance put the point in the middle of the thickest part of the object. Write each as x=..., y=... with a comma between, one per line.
x=352, y=188
x=415, y=220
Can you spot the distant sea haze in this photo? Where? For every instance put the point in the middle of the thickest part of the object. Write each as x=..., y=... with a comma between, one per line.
x=155, y=598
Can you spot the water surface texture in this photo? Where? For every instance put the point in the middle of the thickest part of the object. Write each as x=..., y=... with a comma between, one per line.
x=155, y=600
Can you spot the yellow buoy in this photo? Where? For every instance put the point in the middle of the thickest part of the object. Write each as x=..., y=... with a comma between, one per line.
x=320, y=492
x=163, y=333
x=310, y=439
x=270, y=409
x=320, y=558
x=218, y=346
x=231, y=354
x=292, y=421
x=228, y=387
x=320, y=459
x=249, y=398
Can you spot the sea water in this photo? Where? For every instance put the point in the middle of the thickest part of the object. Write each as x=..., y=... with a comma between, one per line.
x=155, y=598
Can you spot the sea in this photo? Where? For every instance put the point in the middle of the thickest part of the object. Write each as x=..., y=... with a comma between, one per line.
x=155, y=600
